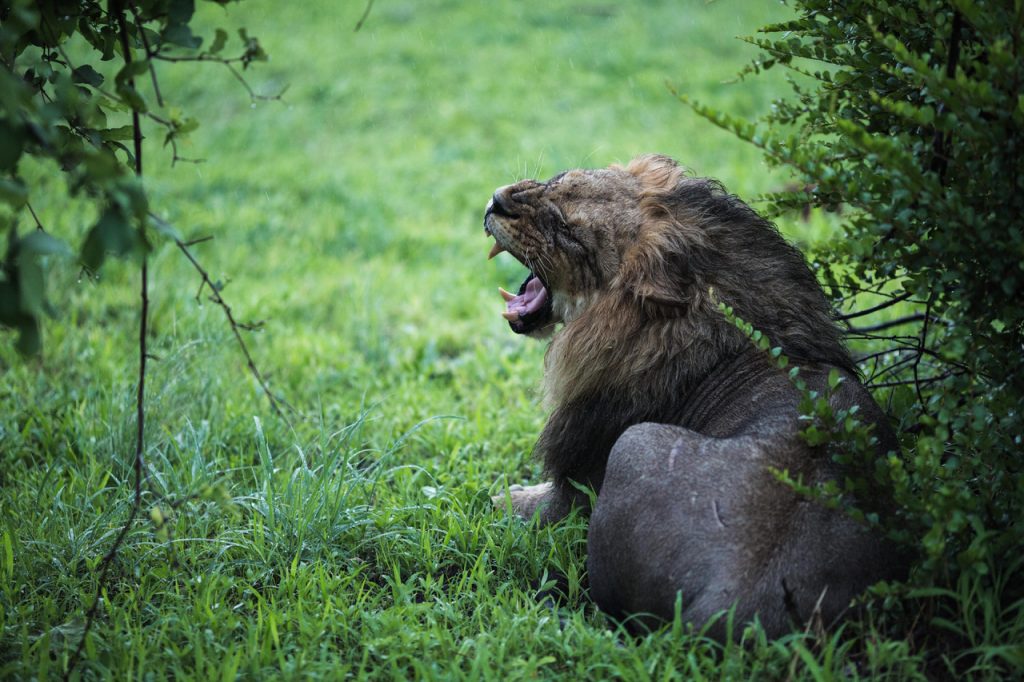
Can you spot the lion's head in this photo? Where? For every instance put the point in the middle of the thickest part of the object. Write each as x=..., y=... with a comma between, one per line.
x=572, y=232
x=633, y=261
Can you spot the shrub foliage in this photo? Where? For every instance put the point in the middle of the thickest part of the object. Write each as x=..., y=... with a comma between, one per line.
x=909, y=116
x=78, y=82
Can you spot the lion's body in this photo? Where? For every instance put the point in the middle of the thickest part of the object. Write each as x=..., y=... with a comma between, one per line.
x=717, y=526
x=634, y=262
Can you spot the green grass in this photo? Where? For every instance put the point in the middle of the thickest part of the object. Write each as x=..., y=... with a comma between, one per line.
x=362, y=541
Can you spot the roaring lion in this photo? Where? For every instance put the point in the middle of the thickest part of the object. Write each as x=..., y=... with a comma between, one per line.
x=663, y=406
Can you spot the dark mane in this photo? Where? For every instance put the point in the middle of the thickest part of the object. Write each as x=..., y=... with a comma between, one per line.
x=638, y=351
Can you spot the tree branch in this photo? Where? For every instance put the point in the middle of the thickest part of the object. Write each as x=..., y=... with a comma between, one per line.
x=229, y=64
x=907, y=319
x=366, y=14
x=898, y=298
x=140, y=412
x=236, y=327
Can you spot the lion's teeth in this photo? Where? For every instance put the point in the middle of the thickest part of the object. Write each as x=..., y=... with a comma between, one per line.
x=510, y=316
x=495, y=250
x=508, y=296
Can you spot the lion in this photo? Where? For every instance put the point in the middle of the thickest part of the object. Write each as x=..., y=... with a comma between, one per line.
x=662, y=405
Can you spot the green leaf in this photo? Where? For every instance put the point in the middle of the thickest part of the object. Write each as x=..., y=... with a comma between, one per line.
x=31, y=286
x=43, y=244
x=131, y=70
x=121, y=133
x=133, y=98
x=13, y=192
x=180, y=11
x=12, y=142
x=112, y=234
x=219, y=40
x=181, y=34
x=29, y=338
x=87, y=75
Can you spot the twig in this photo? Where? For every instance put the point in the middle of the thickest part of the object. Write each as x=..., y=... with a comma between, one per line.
x=366, y=14
x=882, y=353
x=874, y=309
x=863, y=290
x=229, y=65
x=198, y=240
x=236, y=327
x=940, y=158
x=916, y=382
x=39, y=225
x=889, y=369
x=152, y=68
x=921, y=347
x=916, y=317
x=140, y=412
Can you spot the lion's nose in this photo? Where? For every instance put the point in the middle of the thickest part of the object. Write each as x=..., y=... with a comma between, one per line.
x=508, y=199
x=501, y=203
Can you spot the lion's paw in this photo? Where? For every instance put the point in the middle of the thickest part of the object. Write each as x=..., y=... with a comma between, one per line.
x=525, y=501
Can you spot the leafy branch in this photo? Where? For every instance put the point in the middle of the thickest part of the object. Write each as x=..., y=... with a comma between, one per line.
x=54, y=108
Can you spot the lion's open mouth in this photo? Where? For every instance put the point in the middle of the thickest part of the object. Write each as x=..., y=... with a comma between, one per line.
x=530, y=309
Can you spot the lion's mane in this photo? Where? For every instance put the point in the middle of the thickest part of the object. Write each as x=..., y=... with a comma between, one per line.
x=637, y=352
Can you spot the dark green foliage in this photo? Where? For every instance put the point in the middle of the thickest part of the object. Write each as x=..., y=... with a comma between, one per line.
x=910, y=116
x=71, y=94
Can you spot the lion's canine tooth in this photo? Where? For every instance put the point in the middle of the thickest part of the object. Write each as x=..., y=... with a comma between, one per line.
x=509, y=315
x=508, y=296
x=495, y=250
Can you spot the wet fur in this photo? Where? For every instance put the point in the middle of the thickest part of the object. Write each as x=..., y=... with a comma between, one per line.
x=657, y=399
x=693, y=245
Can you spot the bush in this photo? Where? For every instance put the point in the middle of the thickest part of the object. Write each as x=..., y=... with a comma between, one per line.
x=73, y=103
x=909, y=115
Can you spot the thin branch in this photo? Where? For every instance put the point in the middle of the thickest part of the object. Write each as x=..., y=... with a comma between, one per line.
x=248, y=88
x=199, y=240
x=890, y=369
x=145, y=45
x=921, y=347
x=909, y=341
x=39, y=225
x=366, y=14
x=229, y=64
x=882, y=353
x=202, y=57
x=908, y=319
x=140, y=412
x=874, y=309
x=236, y=327
x=916, y=382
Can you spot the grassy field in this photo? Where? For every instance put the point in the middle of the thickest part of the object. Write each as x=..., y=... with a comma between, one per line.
x=360, y=541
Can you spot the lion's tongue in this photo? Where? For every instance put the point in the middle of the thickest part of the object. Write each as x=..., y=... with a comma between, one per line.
x=529, y=301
